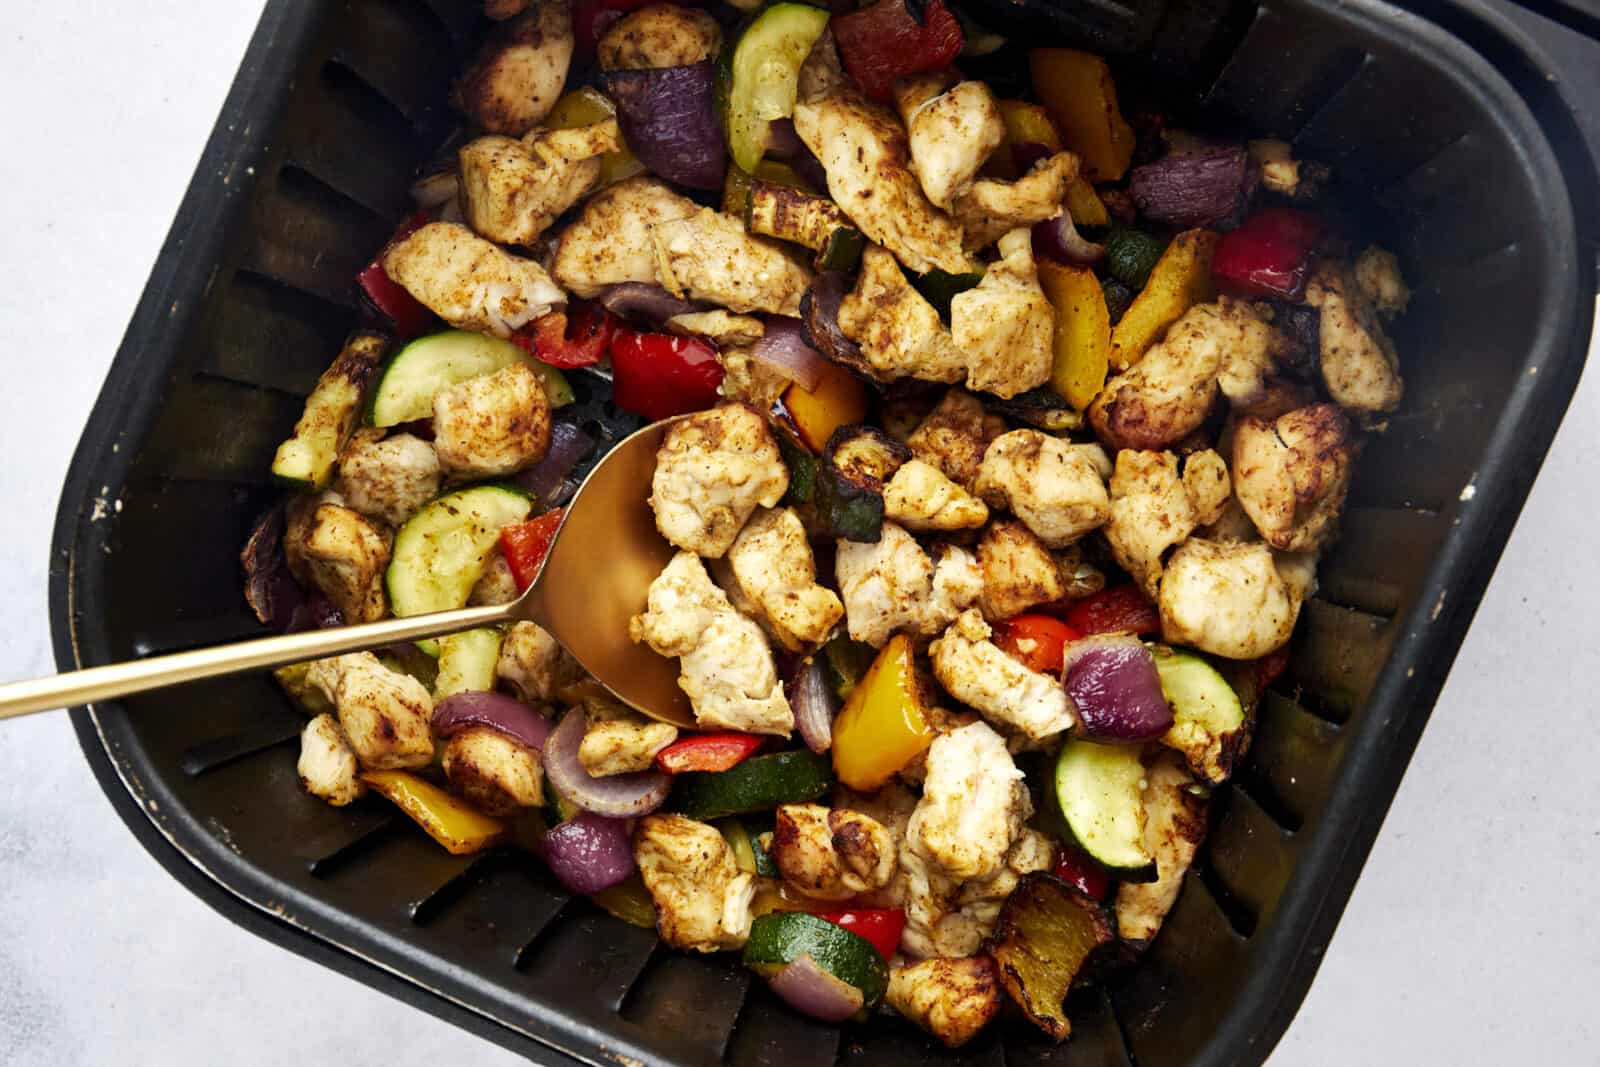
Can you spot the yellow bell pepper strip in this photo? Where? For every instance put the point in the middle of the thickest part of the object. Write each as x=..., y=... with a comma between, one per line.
x=1078, y=92
x=840, y=399
x=585, y=107
x=882, y=726
x=1025, y=124
x=1085, y=205
x=461, y=829
x=629, y=901
x=1083, y=331
x=1181, y=279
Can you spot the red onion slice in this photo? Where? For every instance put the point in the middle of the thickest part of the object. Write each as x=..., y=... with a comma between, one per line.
x=815, y=704
x=819, y=315
x=495, y=710
x=669, y=119
x=621, y=796
x=643, y=301
x=269, y=588
x=1112, y=681
x=810, y=989
x=783, y=348
x=1059, y=239
x=569, y=446
x=589, y=853
x=1198, y=188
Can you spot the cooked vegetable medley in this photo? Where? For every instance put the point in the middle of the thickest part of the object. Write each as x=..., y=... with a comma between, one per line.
x=1014, y=431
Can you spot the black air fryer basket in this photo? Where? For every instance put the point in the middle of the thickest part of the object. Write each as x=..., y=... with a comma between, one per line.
x=1470, y=181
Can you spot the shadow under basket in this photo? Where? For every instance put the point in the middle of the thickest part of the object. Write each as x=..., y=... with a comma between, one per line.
x=308, y=168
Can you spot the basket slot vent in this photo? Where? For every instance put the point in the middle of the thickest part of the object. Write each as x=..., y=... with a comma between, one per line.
x=260, y=736
x=587, y=960
x=1096, y=1039
x=892, y=1042
x=1251, y=857
x=269, y=335
x=490, y=912
x=1296, y=752
x=692, y=1000
x=352, y=139
x=366, y=828
x=1309, y=70
x=1373, y=566
x=769, y=1033
x=1421, y=460
x=235, y=446
x=1335, y=656
x=393, y=46
x=1444, y=176
x=180, y=635
x=310, y=237
x=392, y=872
x=433, y=901
x=1265, y=794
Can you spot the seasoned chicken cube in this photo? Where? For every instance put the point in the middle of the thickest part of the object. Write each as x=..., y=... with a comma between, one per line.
x=898, y=330
x=954, y=436
x=1054, y=486
x=610, y=242
x=772, y=563
x=1018, y=571
x=948, y=917
x=1359, y=364
x=711, y=256
x=1150, y=514
x=719, y=327
x=661, y=35
x=470, y=283
x=832, y=853
x=618, y=740
x=1004, y=324
x=388, y=478
x=712, y=472
x=745, y=379
x=1205, y=479
x=1234, y=600
x=327, y=766
x=951, y=132
x=974, y=804
x=495, y=773
x=1377, y=275
x=342, y=555
x=952, y=999
x=385, y=715
x=920, y=497
x=497, y=585
x=520, y=70
x=534, y=664
x=957, y=585
x=515, y=189
x=1292, y=475
x=1174, y=827
x=702, y=900
x=892, y=585
x=976, y=672
x=992, y=208
x=492, y=425
x=866, y=156
x=679, y=607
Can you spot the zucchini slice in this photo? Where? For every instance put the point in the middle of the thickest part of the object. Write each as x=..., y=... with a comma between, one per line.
x=757, y=784
x=408, y=382
x=778, y=939
x=1209, y=725
x=306, y=460
x=467, y=662
x=758, y=77
x=939, y=287
x=857, y=463
x=1097, y=790
x=440, y=553
x=777, y=210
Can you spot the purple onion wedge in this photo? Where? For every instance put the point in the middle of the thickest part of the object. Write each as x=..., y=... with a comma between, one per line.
x=783, y=349
x=621, y=796
x=813, y=991
x=569, y=446
x=495, y=710
x=819, y=315
x=1113, y=683
x=589, y=852
x=644, y=302
x=668, y=117
x=814, y=703
x=1200, y=188
x=269, y=588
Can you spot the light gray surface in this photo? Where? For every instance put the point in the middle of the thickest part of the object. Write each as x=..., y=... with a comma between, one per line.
x=1466, y=939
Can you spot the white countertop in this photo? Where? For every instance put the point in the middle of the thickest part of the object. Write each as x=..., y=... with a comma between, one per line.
x=1469, y=938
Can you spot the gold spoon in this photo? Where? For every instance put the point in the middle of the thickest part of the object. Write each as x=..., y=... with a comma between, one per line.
x=595, y=578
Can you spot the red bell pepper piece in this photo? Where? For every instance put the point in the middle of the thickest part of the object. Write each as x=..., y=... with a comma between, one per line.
x=1270, y=255
x=883, y=42
x=405, y=311
x=881, y=926
x=1075, y=868
x=525, y=544
x=1045, y=639
x=1122, y=609
x=566, y=341
x=659, y=375
x=707, y=752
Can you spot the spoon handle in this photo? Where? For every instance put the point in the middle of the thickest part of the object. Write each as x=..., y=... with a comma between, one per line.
x=124, y=679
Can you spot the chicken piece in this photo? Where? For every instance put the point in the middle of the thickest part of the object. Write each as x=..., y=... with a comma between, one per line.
x=327, y=765
x=1018, y=571
x=515, y=189
x=973, y=806
x=494, y=772
x=618, y=740
x=661, y=35
x=385, y=715
x=952, y=999
x=342, y=555
x=920, y=497
x=726, y=663
x=898, y=330
x=954, y=435
x=1175, y=825
x=1079, y=576
x=866, y=156
x=1206, y=481
x=893, y=585
x=711, y=256
x=951, y=132
x=976, y=672
x=497, y=585
x=534, y=664
x=468, y=282
x=745, y=380
x=1292, y=475
x=702, y=900
x=947, y=917
x=1359, y=364
x=1377, y=275
x=492, y=425
x=388, y=478
x=1229, y=599
x=1004, y=324
x=1150, y=514
x=713, y=470
x=519, y=72
x=720, y=327
x=832, y=853
x=610, y=242
x=992, y=208
x=772, y=563
x=1054, y=486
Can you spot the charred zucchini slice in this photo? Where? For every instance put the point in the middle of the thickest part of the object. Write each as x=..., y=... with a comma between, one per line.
x=332, y=412
x=849, y=493
x=1209, y=724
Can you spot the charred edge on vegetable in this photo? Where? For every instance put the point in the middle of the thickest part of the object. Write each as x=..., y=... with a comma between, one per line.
x=1039, y=976
x=857, y=462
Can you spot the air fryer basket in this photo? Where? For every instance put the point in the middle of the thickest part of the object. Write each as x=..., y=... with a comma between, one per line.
x=304, y=175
